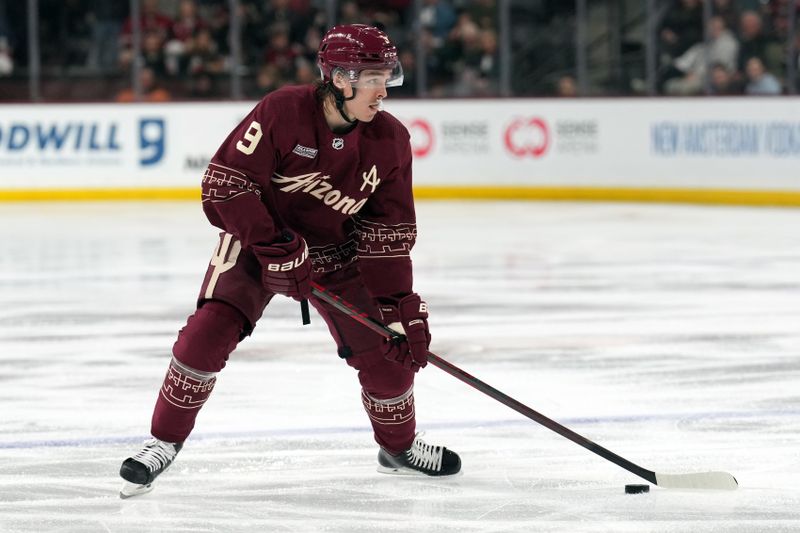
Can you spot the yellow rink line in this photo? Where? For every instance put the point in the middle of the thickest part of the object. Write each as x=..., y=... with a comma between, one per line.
x=603, y=194
x=99, y=195
x=615, y=194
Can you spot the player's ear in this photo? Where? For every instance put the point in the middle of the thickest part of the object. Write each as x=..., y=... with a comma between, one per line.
x=339, y=79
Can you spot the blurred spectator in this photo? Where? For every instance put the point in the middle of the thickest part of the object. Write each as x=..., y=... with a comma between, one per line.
x=389, y=22
x=152, y=21
x=477, y=68
x=151, y=89
x=775, y=59
x=464, y=29
x=153, y=55
x=267, y=80
x=262, y=18
x=187, y=22
x=67, y=33
x=796, y=60
x=106, y=20
x=286, y=12
x=305, y=72
x=204, y=58
x=723, y=81
x=728, y=11
x=777, y=13
x=6, y=54
x=722, y=48
x=756, y=43
x=5, y=27
x=253, y=30
x=463, y=45
x=310, y=44
x=438, y=17
x=488, y=63
x=273, y=13
x=682, y=27
x=182, y=41
x=349, y=13
x=750, y=5
x=436, y=64
x=280, y=52
x=379, y=12
x=483, y=12
x=567, y=87
x=216, y=15
x=6, y=60
x=759, y=81
x=409, y=64
x=202, y=87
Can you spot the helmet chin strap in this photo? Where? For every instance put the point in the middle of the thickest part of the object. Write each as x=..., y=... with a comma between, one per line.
x=339, y=98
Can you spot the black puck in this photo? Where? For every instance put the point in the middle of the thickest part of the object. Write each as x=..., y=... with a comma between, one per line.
x=636, y=489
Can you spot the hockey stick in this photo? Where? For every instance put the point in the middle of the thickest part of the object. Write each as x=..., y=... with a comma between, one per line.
x=699, y=480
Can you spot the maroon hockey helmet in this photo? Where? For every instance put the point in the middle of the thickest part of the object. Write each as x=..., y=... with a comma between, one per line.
x=357, y=47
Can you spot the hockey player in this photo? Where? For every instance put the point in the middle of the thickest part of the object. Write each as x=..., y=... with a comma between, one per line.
x=314, y=184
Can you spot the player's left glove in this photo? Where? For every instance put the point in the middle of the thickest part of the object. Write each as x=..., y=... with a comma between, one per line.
x=407, y=315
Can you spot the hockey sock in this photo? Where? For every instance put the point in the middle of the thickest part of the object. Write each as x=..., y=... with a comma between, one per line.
x=392, y=420
x=182, y=394
x=201, y=350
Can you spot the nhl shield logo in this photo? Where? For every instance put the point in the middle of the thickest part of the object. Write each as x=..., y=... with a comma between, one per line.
x=338, y=143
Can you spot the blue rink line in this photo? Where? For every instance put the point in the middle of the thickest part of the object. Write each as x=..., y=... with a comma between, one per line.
x=472, y=424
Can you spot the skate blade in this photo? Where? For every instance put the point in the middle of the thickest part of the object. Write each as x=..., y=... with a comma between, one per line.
x=399, y=471
x=402, y=471
x=130, y=490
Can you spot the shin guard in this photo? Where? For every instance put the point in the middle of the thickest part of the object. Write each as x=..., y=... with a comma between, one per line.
x=392, y=420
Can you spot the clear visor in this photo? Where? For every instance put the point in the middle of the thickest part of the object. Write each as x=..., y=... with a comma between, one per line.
x=376, y=78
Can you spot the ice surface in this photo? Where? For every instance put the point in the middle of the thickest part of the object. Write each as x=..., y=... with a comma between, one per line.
x=668, y=334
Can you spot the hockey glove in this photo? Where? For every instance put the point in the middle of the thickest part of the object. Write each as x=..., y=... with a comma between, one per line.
x=409, y=316
x=286, y=266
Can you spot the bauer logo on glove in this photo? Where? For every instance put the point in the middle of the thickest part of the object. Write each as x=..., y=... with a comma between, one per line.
x=289, y=265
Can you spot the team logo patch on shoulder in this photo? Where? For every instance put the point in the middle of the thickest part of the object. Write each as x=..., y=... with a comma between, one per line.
x=305, y=151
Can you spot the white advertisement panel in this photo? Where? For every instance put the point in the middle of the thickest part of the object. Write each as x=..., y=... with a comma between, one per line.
x=108, y=146
x=741, y=143
x=736, y=143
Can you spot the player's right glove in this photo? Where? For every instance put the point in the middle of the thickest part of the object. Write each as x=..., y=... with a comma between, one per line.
x=286, y=266
x=407, y=315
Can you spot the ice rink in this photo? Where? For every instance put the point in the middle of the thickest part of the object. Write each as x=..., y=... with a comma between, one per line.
x=669, y=334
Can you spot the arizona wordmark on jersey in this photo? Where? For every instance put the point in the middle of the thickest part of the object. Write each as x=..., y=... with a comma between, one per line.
x=318, y=186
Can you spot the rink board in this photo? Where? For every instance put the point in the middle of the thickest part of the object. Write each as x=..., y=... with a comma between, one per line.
x=737, y=150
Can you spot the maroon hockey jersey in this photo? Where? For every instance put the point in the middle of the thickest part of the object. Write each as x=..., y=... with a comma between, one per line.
x=349, y=195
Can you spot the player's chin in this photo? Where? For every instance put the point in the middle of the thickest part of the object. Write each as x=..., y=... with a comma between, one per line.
x=371, y=112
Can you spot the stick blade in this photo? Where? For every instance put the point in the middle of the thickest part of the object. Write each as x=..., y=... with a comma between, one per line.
x=700, y=480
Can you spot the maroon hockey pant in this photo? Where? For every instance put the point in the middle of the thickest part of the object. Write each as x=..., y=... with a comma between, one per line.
x=232, y=300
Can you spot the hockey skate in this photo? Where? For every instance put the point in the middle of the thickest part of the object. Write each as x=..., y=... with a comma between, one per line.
x=142, y=469
x=420, y=459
